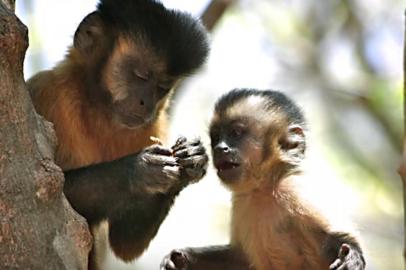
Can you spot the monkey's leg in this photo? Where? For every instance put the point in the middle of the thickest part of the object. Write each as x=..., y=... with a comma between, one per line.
x=213, y=258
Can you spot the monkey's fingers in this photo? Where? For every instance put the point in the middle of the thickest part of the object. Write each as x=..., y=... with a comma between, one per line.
x=195, y=175
x=198, y=161
x=194, y=168
x=159, y=149
x=184, y=143
x=171, y=172
x=180, y=141
x=179, y=259
x=195, y=141
x=167, y=265
x=340, y=264
x=159, y=160
x=334, y=266
x=352, y=258
x=176, y=260
x=190, y=151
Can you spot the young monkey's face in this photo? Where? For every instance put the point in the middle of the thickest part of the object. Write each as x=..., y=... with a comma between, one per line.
x=238, y=142
x=252, y=144
x=235, y=148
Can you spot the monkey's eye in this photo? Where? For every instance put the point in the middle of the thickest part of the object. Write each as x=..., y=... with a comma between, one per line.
x=214, y=137
x=238, y=130
x=140, y=75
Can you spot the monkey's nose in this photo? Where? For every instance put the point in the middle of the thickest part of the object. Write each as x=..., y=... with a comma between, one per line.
x=222, y=148
x=142, y=102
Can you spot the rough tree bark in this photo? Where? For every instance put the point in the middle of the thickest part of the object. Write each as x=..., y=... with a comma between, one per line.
x=38, y=228
x=402, y=168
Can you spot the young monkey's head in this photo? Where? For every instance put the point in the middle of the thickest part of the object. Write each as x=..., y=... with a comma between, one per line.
x=257, y=138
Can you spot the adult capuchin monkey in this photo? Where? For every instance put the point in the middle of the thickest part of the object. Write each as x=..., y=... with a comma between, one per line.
x=107, y=99
x=258, y=142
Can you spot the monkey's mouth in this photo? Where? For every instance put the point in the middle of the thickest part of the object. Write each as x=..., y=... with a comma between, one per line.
x=226, y=165
x=228, y=171
x=132, y=121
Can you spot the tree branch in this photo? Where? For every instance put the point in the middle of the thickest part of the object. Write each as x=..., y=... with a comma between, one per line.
x=402, y=168
x=214, y=12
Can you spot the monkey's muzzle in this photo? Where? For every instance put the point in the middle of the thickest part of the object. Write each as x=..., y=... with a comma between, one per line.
x=228, y=170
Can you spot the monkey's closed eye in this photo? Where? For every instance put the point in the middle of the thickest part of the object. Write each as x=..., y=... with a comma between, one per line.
x=238, y=131
x=140, y=75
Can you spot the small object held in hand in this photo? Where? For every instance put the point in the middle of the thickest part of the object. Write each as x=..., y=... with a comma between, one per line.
x=155, y=140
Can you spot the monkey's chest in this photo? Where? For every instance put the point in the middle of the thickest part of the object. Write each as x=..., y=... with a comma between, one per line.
x=272, y=240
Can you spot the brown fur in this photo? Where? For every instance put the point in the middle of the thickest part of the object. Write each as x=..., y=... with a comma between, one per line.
x=270, y=223
x=86, y=134
x=276, y=231
x=86, y=131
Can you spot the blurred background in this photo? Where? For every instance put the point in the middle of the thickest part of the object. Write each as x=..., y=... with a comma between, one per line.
x=341, y=60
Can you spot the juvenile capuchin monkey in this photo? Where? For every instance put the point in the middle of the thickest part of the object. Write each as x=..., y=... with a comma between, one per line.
x=258, y=142
x=107, y=100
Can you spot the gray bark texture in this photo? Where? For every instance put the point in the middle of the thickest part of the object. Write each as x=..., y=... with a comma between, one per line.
x=38, y=228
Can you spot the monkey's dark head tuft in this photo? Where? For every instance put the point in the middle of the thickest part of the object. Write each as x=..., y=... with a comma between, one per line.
x=176, y=36
x=273, y=100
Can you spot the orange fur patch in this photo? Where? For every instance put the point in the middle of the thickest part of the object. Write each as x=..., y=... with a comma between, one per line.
x=86, y=135
x=276, y=232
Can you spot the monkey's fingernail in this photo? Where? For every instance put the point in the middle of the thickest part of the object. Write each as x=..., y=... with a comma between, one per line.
x=180, y=140
x=335, y=264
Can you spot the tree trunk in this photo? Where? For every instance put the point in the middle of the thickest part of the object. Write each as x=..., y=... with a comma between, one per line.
x=38, y=228
x=402, y=168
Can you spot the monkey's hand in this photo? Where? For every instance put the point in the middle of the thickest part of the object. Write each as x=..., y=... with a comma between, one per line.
x=176, y=260
x=348, y=259
x=155, y=170
x=192, y=158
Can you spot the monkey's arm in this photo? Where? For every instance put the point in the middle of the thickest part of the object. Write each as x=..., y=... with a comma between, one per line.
x=213, y=257
x=134, y=194
x=134, y=225
x=104, y=192
x=344, y=252
x=98, y=191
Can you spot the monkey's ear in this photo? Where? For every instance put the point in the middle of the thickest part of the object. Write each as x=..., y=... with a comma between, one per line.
x=293, y=144
x=89, y=33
